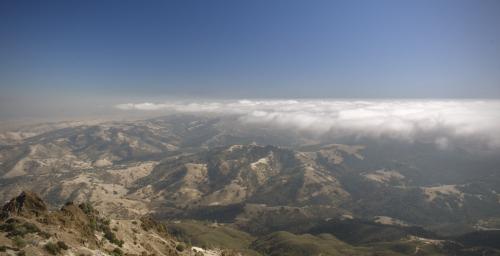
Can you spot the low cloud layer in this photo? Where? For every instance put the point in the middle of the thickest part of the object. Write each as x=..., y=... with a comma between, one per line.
x=403, y=119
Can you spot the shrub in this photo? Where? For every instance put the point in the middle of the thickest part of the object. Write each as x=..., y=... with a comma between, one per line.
x=18, y=231
x=402, y=248
x=87, y=208
x=117, y=252
x=31, y=228
x=19, y=242
x=93, y=224
x=9, y=227
x=52, y=248
x=44, y=234
x=108, y=234
x=15, y=228
x=62, y=245
x=180, y=247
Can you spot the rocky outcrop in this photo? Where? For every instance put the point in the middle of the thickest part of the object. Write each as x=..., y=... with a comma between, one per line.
x=77, y=230
x=27, y=204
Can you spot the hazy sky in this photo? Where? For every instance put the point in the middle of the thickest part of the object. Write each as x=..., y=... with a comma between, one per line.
x=70, y=56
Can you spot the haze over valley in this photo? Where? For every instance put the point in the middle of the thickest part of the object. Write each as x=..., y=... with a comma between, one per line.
x=303, y=167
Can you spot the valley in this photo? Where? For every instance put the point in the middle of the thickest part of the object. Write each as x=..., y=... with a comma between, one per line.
x=222, y=187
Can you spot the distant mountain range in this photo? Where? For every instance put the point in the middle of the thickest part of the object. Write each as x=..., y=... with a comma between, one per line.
x=278, y=193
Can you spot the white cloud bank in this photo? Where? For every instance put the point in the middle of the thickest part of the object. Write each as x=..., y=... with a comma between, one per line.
x=395, y=118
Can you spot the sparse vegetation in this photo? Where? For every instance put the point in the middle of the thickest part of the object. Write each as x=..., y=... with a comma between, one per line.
x=55, y=248
x=62, y=245
x=44, y=234
x=205, y=235
x=117, y=252
x=87, y=208
x=111, y=237
x=101, y=224
x=15, y=227
x=93, y=224
x=19, y=242
x=180, y=247
x=147, y=223
x=52, y=248
x=276, y=220
x=106, y=222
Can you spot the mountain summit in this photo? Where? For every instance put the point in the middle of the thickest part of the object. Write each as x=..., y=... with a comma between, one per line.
x=27, y=204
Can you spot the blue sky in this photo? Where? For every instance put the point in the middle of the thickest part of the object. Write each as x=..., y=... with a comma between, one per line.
x=73, y=50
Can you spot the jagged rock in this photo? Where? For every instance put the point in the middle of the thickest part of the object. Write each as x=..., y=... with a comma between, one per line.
x=73, y=217
x=148, y=223
x=27, y=204
x=77, y=230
